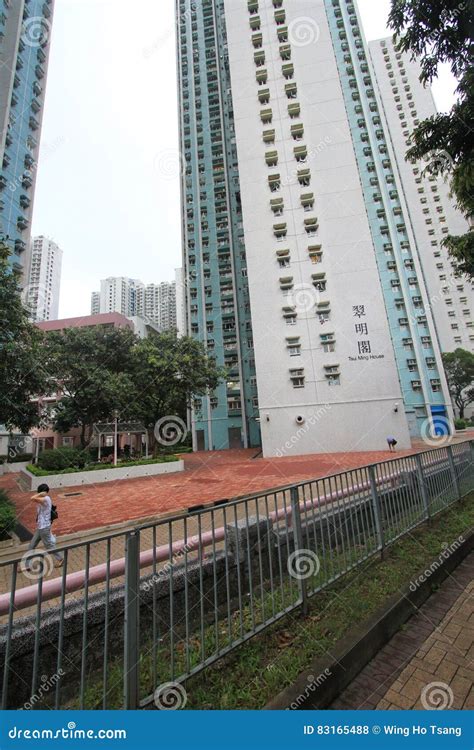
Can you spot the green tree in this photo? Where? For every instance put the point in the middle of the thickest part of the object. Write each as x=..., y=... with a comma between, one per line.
x=434, y=32
x=23, y=375
x=459, y=368
x=91, y=368
x=169, y=372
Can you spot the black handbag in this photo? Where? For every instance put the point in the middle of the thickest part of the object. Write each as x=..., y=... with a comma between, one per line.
x=54, y=513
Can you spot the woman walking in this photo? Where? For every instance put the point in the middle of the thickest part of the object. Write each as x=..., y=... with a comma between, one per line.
x=43, y=527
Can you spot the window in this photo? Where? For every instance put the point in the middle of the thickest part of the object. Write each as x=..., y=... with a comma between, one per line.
x=276, y=204
x=264, y=96
x=283, y=258
x=288, y=70
x=332, y=374
x=274, y=182
x=285, y=51
x=268, y=136
x=301, y=153
x=293, y=346
x=297, y=131
x=291, y=90
x=271, y=157
x=319, y=281
x=307, y=201
x=294, y=110
x=289, y=315
x=261, y=76
x=311, y=225
x=297, y=377
x=315, y=253
x=328, y=342
x=280, y=231
x=304, y=177
x=266, y=116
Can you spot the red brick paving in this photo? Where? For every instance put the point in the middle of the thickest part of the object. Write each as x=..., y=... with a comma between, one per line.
x=397, y=675
x=208, y=476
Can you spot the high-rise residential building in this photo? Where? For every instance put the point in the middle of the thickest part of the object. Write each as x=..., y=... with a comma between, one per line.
x=131, y=297
x=180, y=302
x=43, y=280
x=95, y=303
x=25, y=31
x=433, y=214
x=299, y=254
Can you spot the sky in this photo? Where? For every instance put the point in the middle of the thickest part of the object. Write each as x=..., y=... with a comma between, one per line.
x=108, y=178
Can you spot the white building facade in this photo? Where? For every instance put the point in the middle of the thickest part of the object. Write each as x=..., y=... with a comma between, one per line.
x=42, y=290
x=405, y=103
x=155, y=303
x=345, y=347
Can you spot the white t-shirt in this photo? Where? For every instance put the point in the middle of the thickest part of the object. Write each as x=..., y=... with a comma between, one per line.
x=43, y=514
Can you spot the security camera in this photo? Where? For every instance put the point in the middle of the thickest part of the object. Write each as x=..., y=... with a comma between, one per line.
x=299, y=419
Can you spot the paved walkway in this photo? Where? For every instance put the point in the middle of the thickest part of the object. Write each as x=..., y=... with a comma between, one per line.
x=208, y=476
x=428, y=664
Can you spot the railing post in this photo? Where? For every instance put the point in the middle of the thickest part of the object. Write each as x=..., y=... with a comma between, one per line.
x=454, y=475
x=424, y=492
x=377, y=508
x=132, y=621
x=298, y=542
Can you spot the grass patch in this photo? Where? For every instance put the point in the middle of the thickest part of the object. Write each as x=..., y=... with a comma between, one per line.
x=101, y=467
x=257, y=671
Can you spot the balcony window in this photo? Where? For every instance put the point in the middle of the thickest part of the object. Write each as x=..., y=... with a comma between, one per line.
x=297, y=131
x=280, y=17
x=319, y=281
x=264, y=96
x=283, y=258
x=291, y=90
x=276, y=204
x=294, y=110
x=288, y=70
x=280, y=231
x=271, y=158
x=268, y=136
x=307, y=201
x=304, y=177
x=289, y=316
x=311, y=225
x=259, y=58
x=274, y=182
x=297, y=377
x=315, y=253
x=286, y=283
x=293, y=346
x=261, y=76
x=257, y=40
x=285, y=51
x=255, y=23
x=300, y=153
x=266, y=116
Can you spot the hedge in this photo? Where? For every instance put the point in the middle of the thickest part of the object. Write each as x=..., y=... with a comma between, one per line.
x=7, y=514
x=39, y=472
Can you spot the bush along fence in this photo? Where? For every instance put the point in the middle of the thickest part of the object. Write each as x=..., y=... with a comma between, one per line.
x=132, y=615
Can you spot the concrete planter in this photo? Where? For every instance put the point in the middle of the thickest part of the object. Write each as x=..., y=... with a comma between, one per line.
x=99, y=476
x=15, y=468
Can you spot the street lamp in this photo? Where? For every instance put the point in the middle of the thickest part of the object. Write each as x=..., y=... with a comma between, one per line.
x=116, y=416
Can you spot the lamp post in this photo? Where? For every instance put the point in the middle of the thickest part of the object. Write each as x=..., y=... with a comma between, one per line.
x=116, y=416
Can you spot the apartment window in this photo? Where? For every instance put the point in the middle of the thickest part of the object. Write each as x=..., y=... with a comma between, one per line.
x=289, y=316
x=435, y=385
x=297, y=131
x=315, y=253
x=271, y=158
x=257, y=40
x=280, y=17
x=328, y=342
x=294, y=110
x=311, y=225
x=264, y=96
x=285, y=51
x=288, y=70
x=268, y=136
x=304, y=177
x=274, y=182
x=261, y=76
x=280, y=231
x=255, y=23
x=301, y=153
x=276, y=204
x=291, y=90
x=266, y=116
x=307, y=201
x=283, y=258
x=416, y=385
x=319, y=281
x=297, y=377
x=293, y=346
x=332, y=374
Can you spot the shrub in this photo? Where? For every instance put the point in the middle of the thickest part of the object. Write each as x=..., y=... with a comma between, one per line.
x=40, y=472
x=460, y=424
x=60, y=459
x=7, y=514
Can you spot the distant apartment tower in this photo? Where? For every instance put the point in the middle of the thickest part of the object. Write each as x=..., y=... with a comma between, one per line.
x=159, y=304
x=119, y=294
x=25, y=30
x=299, y=256
x=43, y=280
x=180, y=302
x=131, y=297
x=95, y=303
x=406, y=102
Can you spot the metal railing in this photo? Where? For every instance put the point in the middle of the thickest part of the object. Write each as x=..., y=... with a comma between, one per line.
x=134, y=610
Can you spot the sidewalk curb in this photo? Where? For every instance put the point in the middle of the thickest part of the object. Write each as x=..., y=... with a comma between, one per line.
x=325, y=678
